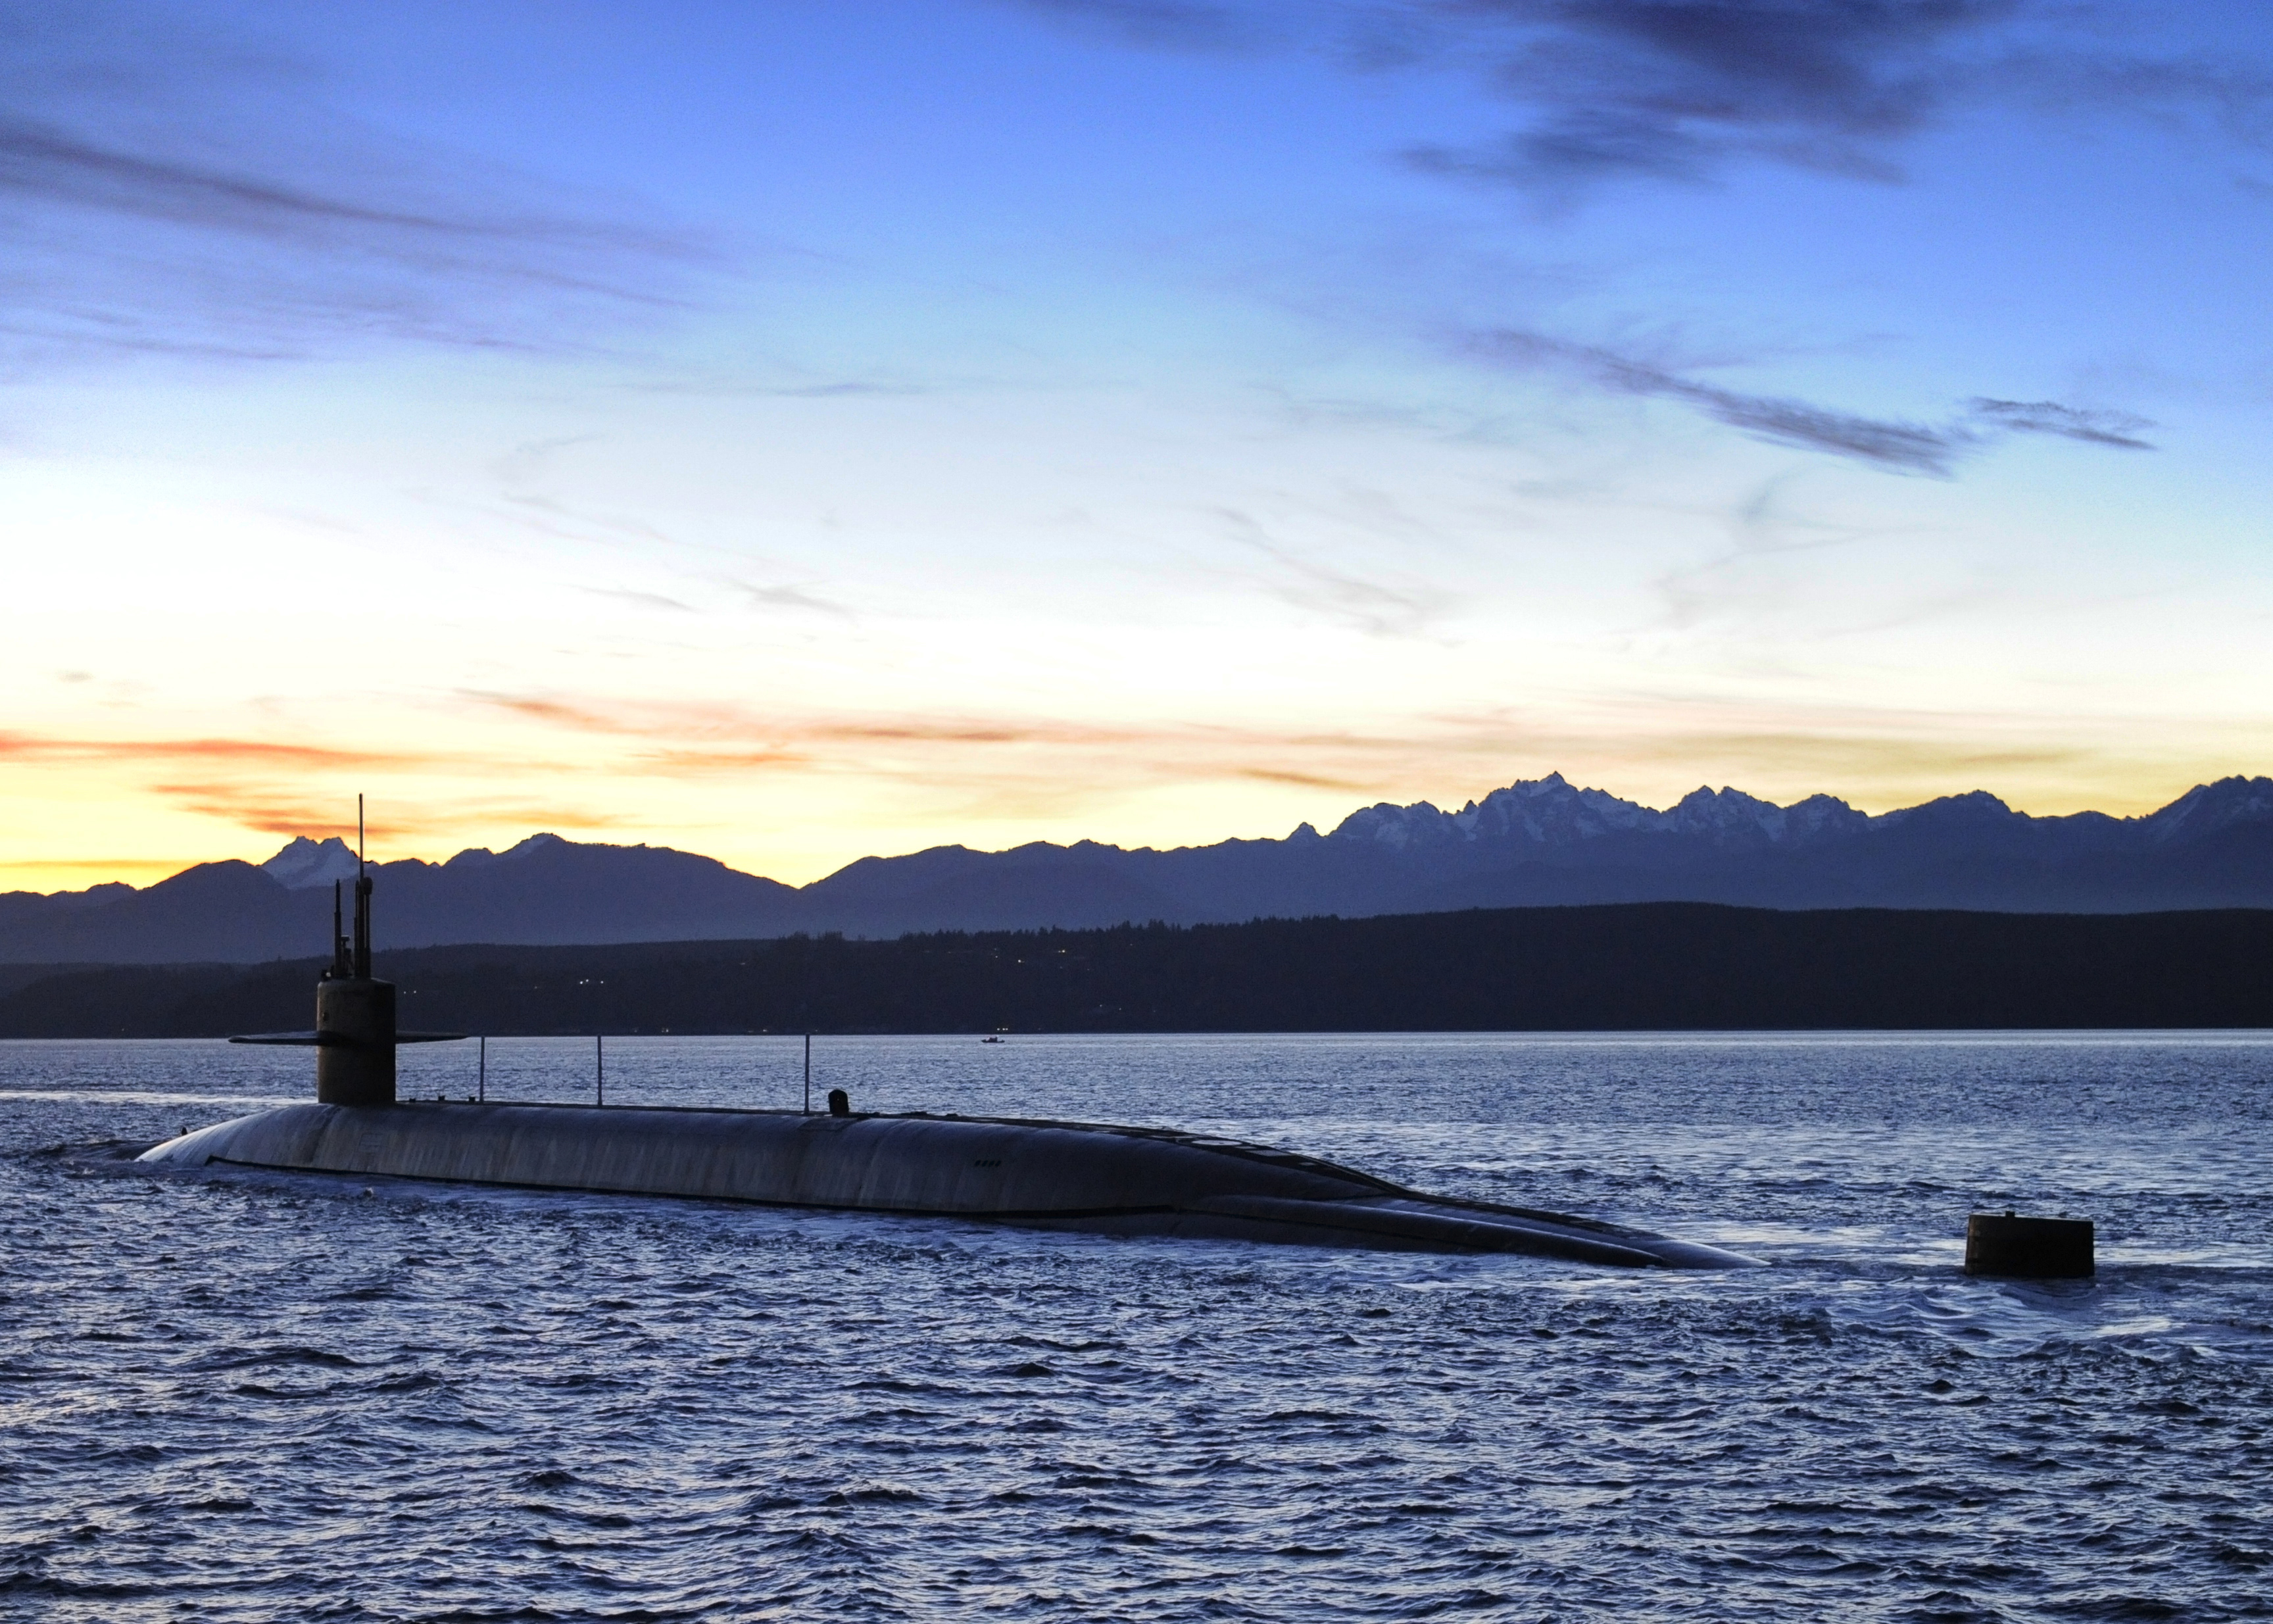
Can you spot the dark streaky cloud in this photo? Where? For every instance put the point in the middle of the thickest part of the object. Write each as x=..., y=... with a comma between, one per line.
x=1680, y=89
x=1675, y=88
x=1906, y=447
x=2101, y=428
x=1888, y=443
x=169, y=191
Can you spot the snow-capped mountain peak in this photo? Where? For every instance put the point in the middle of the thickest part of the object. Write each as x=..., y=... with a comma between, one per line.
x=1550, y=811
x=2209, y=807
x=305, y=864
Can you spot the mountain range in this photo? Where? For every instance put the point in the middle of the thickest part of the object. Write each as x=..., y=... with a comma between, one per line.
x=1537, y=842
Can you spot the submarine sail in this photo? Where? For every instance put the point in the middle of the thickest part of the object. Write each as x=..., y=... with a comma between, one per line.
x=355, y=1036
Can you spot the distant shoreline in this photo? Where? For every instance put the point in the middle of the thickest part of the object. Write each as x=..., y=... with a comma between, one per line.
x=1637, y=967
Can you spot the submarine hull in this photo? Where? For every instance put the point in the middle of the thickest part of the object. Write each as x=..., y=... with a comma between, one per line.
x=1063, y=1175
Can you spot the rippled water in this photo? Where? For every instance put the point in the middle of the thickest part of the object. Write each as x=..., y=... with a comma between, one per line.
x=240, y=1396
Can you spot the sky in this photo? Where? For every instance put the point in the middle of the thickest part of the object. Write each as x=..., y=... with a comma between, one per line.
x=793, y=432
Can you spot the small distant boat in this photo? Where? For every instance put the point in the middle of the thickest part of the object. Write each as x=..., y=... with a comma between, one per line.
x=990, y=1038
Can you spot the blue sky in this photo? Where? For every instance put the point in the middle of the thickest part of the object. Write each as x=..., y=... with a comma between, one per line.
x=792, y=431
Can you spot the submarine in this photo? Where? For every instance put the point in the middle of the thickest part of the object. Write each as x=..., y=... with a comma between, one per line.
x=1048, y=1175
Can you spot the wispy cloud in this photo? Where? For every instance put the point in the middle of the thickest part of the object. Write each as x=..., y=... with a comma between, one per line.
x=581, y=715
x=1305, y=780
x=1897, y=445
x=1379, y=608
x=264, y=786
x=790, y=598
x=240, y=781
x=1763, y=536
x=689, y=724
x=1186, y=24
x=42, y=748
x=175, y=189
x=396, y=823
x=642, y=600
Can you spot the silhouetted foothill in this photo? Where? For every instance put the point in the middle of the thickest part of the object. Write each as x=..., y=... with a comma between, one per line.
x=1650, y=967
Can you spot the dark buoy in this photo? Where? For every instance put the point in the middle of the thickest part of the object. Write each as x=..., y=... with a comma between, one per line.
x=1999, y=1244
x=840, y=1103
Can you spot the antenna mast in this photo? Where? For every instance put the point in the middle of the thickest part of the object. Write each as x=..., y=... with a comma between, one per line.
x=363, y=904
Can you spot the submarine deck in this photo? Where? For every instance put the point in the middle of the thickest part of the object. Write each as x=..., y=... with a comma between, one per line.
x=1060, y=1174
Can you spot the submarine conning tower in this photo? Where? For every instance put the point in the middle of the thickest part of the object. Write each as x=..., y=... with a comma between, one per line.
x=355, y=1013
x=355, y=1036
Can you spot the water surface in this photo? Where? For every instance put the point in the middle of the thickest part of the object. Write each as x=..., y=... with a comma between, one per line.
x=238, y=1396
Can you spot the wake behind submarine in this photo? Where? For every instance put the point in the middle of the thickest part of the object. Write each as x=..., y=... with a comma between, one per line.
x=1043, y=1175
